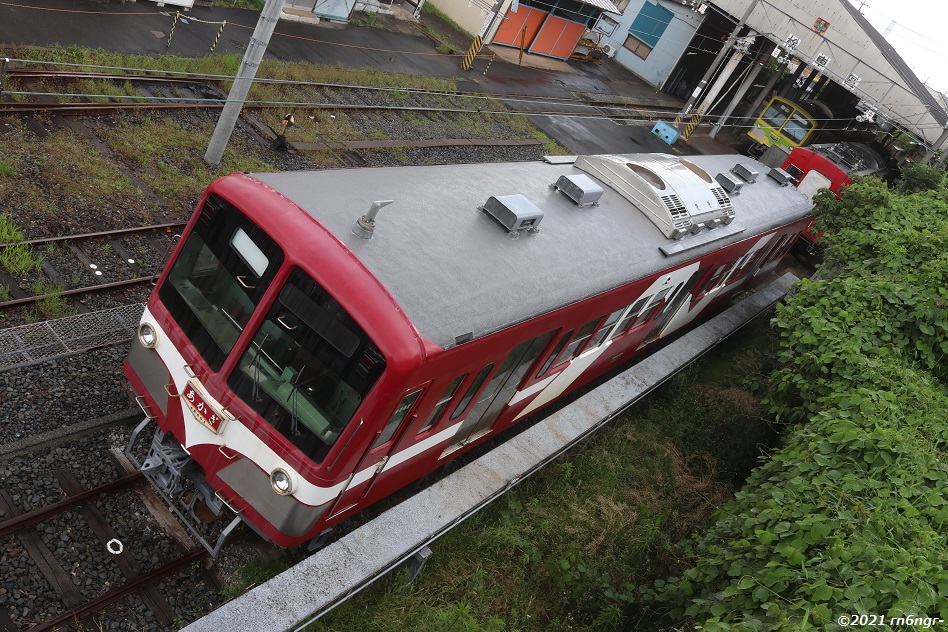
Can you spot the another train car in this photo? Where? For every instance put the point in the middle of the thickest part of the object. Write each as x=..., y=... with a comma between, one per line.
x=832, y=166
x=787, y=124
x=321, y=339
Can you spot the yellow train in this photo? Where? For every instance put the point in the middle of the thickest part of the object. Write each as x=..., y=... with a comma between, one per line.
x=788, y=124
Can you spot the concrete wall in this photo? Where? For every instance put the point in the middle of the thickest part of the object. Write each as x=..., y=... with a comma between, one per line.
x=471, y=16
x=670, y=47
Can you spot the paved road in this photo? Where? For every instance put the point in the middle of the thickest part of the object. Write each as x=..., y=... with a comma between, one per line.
x=143, y=28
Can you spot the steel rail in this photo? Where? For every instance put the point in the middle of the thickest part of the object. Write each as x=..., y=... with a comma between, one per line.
x=21, y=73
x=80, y=290
x=85, y=108
x=36, y=516
x=120, y=232
x=160, y=77
x=132, y=586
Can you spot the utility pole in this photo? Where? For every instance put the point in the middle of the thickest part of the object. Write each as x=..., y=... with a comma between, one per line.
x=245, y=75
x=758, y=65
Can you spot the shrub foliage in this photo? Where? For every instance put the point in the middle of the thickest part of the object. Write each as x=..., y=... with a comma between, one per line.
x=849, y=516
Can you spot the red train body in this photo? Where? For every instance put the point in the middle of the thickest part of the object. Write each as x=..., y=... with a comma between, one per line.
x=298, y=372
x=832, y=166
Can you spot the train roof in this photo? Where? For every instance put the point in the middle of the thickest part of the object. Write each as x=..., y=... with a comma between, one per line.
x=457, y=272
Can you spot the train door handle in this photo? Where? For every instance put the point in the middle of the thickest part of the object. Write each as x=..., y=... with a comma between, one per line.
x=285, y=325
x=381, y=465
x=243, y=282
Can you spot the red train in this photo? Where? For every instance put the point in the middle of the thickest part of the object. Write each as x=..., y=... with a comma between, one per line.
x=832, y=166
x=304, y=354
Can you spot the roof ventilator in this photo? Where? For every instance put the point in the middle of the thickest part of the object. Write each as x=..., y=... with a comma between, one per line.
x=678, y=196
x=745, y=173
x=782, y=177
x=365, y=225
x=731, y=183
x=580, y=188
x=515, y=212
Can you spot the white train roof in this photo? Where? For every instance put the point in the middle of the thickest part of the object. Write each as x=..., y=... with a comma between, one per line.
x=455, y=270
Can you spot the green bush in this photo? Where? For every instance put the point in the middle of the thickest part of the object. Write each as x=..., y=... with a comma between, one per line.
x=919, y=177
x=849, y=516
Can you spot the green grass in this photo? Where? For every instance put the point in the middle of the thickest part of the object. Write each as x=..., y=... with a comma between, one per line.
x=7, y=168
x=54, y=305
x=257, y=571
x=566, y=549
x=433, y=10
x=19, y=259
x=78, y=169
x=171, y=158
x=9, y=233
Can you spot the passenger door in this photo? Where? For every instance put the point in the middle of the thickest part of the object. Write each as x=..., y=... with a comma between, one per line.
x=499, y=390
x=377, y=456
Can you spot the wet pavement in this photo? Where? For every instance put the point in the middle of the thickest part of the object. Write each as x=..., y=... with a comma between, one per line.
x=400, y=45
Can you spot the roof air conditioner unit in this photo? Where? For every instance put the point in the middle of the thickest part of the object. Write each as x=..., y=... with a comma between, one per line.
x=515, y=212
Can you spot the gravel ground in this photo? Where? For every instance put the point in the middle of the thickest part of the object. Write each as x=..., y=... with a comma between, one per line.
x=31, y=483
x=48, y=396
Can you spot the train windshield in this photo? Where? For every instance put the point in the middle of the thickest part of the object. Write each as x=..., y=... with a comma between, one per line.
x=777, y=114
x=797, y=127
x=218, y=278
x=308, y=367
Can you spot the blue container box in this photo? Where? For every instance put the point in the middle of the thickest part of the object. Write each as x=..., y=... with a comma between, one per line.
x=666, y=132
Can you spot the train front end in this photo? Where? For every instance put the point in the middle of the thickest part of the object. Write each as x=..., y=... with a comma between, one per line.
x=250, y=370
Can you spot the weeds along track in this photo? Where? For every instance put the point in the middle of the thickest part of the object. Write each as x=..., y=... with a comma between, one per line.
x=85, y=264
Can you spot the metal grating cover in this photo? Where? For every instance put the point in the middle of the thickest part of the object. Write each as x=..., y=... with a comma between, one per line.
x=38, y=342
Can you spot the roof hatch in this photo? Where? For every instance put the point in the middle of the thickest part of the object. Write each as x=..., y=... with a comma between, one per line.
x=678, y=196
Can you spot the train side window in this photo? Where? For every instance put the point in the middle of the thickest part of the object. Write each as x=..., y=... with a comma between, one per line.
x=605, y=329
x=404, y=407
x=654, y=305
x=442, y=403
x=471, y=391
x=576, y=347
x=715, y=279
x=630, y=315
x=774, y=252
x=556, y=352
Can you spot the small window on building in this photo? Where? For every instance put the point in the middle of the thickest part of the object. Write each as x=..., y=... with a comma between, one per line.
x=647, y=29
x=442, y=403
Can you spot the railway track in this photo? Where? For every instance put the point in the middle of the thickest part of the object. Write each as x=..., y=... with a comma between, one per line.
x=93, y=263
x=625, y=111
x=77, y=608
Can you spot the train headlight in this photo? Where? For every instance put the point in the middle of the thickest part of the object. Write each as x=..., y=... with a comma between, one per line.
x=148, y=335
x=282, y=481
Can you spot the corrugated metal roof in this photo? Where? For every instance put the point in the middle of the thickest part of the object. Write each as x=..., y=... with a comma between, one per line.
x=605, y=5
